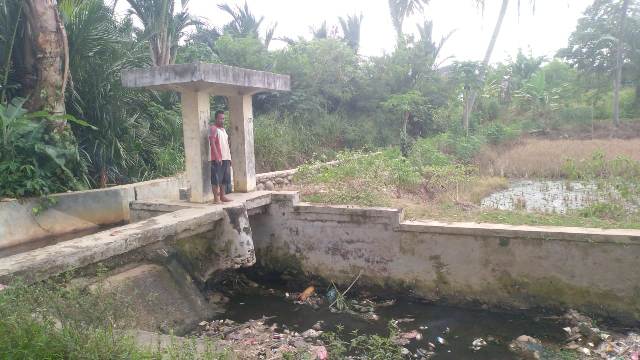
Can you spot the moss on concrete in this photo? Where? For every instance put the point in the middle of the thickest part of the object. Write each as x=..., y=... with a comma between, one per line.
x=552, y=292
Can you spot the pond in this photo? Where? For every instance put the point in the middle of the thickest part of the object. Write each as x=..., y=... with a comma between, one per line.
x=553, y=196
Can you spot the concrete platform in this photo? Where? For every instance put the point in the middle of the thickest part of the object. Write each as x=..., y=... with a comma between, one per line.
x=170, y=220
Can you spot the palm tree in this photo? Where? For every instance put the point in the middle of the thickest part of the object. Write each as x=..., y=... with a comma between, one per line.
x=47, y=55
x=162, y=27
x=429, y=47
x=119, y=146
x=468, y=108
x=351, y=30
x=400, y=10
x=321, y=31
x=617, y=82
x=245, y=24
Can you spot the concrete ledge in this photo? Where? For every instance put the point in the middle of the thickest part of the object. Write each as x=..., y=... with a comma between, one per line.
x=622, y=236
x=348, y=213
x=48, y=261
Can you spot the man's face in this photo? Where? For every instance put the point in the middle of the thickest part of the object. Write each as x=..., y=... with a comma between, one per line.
x=220, y=120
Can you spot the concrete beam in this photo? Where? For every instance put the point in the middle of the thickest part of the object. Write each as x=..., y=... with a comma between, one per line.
x=211, y=78
x=241, y=142
x=195, y=126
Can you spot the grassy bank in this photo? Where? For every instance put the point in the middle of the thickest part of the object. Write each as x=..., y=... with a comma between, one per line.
x=56, y=321
x=438, y=180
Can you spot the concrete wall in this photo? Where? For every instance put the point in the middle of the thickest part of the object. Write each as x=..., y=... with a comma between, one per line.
x=271, y=180
x=515, y=266
x=77, y=211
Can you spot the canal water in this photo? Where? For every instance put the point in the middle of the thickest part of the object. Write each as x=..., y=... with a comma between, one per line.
x=452, y=330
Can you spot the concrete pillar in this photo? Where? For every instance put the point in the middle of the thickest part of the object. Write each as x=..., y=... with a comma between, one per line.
x=241, y=139
x=195, y=125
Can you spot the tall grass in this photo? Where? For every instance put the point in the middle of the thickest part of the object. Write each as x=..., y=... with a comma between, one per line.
x=536, y=158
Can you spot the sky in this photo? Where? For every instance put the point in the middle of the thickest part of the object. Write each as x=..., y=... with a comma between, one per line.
x=541, y=31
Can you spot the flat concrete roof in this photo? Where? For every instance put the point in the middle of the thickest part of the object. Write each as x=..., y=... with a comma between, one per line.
x=215, y=78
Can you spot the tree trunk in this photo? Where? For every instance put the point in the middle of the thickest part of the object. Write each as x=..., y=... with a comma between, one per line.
x=50, y=56
x=485, y=62
x=617, y=82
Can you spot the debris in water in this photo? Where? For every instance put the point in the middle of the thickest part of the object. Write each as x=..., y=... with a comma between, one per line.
x=441, y=340
x=527, y=347
x=320, y=352
x=585, y=351
x=306, y=293
x=478, y=344
x=332, y=294
x=411, y=335
x=311, y=333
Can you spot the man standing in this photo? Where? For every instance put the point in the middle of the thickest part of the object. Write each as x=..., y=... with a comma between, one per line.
x=220, y=158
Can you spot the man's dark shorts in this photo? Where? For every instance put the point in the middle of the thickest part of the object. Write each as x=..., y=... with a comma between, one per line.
x=221, y=173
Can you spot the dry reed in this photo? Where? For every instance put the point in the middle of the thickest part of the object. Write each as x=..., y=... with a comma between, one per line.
x=545, y=158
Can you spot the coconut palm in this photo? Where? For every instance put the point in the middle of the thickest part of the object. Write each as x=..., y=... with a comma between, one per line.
x=162, y=28
x=402, y=9
x=351, y=30
x=245, y=24
x=321, y=32
x=468, y=108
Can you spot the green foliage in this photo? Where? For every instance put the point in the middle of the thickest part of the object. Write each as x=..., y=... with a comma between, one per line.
x=34, y=160
x=605, y=211
x=247, y=52
x=59, y=321
x=497, y=133
x=323, y=74
x=425, y=153
x=374, y=347
x=598, y=167
x=375, y=171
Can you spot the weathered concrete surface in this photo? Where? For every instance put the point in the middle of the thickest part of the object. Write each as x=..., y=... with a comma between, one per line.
x=242, y=147
x=72, y=212
x=516, y=266
x=51, y=260
x=211, y=78
x=162, y=298
x=78, y=211
x=228, y=246
x=225, y=228
x=195, y=126
x=144, y=209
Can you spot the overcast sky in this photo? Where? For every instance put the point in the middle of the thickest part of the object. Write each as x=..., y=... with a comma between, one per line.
x=543, y=31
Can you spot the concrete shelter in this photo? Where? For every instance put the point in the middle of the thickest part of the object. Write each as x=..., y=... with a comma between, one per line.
x=196, y=82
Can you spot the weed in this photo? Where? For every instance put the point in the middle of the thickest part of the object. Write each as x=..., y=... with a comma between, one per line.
x=374, y=347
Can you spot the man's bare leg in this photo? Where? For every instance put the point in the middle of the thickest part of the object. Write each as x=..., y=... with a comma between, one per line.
x=222, y=197
x=216, y=197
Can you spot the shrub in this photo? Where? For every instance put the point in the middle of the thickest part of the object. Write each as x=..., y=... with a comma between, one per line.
x=425, y=153
x=497, y=133
x=35, y=159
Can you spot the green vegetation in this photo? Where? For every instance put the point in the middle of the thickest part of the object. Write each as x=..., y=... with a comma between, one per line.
x=53, y=321
x=374, y=347
x=339, y=99
x=434, y=182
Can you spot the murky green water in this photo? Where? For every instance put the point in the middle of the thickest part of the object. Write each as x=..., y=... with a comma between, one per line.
x=458, y=327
